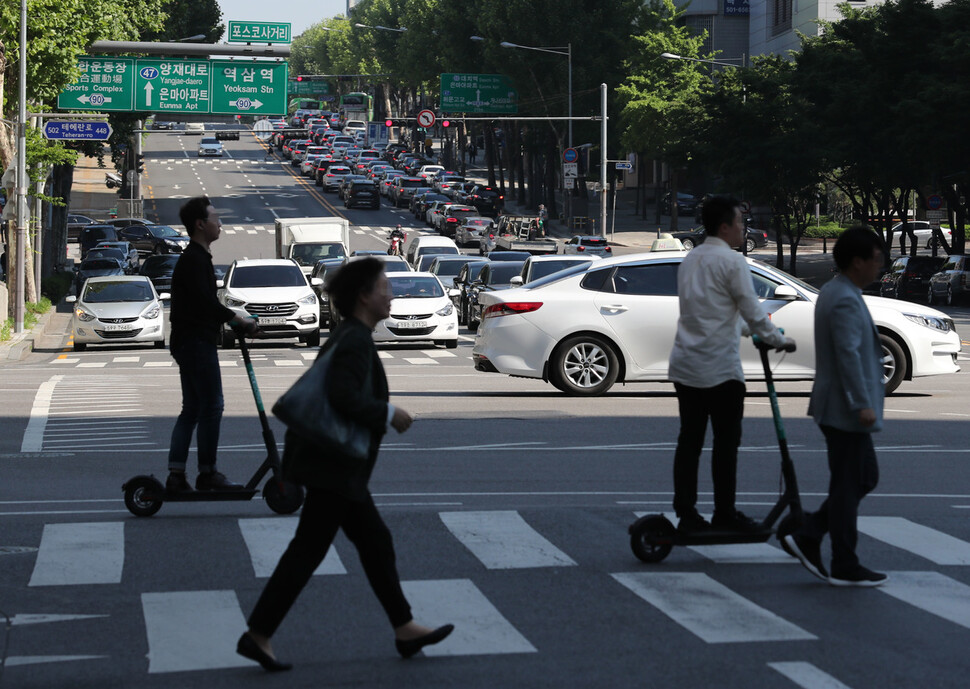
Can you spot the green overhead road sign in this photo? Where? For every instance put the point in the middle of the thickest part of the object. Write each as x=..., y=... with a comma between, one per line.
x=258, y=32
x=105, y=84
x=307, y=88
x=257, y=88
x=172, y=85
x=178, y=86
x=480, y=93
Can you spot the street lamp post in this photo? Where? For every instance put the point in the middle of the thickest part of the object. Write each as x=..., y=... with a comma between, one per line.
x=722, y=63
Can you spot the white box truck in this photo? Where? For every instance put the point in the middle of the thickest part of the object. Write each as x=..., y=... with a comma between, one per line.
x=307, y=240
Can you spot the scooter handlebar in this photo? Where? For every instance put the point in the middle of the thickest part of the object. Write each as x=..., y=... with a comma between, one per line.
x=789, y=345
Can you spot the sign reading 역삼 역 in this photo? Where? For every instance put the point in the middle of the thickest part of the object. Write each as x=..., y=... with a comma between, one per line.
x=258, y=32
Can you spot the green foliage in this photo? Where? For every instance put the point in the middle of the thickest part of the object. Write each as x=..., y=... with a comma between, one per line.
x=32, y=313
x=56, y=287
x=189, y=18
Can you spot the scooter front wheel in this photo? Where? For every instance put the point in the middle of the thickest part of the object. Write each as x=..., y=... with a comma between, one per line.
x=143, y=495
x=651, y=538
x=282, y=497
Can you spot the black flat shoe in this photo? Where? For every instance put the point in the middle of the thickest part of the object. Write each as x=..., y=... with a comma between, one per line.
x=411, y=646
x=248, y=648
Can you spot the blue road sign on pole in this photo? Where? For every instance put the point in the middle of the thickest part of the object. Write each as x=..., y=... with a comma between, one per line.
x=570, y=155
x=77, y=130
x=624, y=166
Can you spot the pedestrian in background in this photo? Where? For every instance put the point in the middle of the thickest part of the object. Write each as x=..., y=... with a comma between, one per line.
x=197, y=318
x=714, y=288
x=847, y=404
x=337, y=493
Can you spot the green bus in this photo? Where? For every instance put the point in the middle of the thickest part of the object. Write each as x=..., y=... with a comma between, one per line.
x=357, y=106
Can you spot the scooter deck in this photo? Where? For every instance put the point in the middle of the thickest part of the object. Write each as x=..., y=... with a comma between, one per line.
x=717, y=538
x=209, y=495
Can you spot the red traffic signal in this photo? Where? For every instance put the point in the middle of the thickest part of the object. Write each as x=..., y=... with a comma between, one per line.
x=388, y=123
x=445, y=123
x=299, y=78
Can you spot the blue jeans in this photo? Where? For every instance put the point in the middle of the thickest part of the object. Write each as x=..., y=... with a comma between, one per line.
x=202, y=405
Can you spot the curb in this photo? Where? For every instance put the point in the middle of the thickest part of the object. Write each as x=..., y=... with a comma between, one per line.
x=22, y=344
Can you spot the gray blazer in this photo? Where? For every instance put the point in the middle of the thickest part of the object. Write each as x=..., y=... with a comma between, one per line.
x=848, y=359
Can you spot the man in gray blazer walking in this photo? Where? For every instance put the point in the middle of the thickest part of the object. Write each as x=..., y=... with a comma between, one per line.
x=847, y=404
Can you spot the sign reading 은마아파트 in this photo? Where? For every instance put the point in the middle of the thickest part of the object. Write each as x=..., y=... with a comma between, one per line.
x=258, y=32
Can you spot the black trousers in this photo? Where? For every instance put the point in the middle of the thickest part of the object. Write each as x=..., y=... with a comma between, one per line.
x=724, y=405
x=324, y=513
x=854, y=472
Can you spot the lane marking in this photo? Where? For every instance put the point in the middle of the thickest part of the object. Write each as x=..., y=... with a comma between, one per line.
x=267, y=540
x=807, y=675
x=480, y=629
x=931, y=544
x=85, y=553
x=932, y=592
x=40, y=411
x=13, y=661
x=708, y=609
x=503, y=540
x=193, y=630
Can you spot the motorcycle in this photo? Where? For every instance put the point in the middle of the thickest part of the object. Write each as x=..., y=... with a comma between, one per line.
x=112, y=180
x=397, y=244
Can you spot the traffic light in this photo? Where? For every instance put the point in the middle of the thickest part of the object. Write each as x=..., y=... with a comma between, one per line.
x=140, y=163
x=396, y=122
x=299, y=78
x=445, y=123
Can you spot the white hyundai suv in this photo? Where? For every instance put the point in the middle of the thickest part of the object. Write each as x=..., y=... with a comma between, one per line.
x=278, y=293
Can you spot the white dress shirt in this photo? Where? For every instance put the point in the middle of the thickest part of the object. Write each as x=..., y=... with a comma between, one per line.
x=714, y=287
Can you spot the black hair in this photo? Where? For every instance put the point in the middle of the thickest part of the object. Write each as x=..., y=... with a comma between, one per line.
x=352, y=280
x=194, y=210
x=856, y=242
x=718, y=210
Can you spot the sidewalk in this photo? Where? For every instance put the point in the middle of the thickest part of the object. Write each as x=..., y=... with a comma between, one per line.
x=47, y=333
x=89, y=195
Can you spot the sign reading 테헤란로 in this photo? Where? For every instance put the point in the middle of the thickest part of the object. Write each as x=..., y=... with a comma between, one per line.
x=258, y=32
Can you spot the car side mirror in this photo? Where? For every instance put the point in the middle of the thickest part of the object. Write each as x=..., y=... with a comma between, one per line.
x=220, y=284
x=517, y=280
x=164, y=296
x=785, y=293
x=316, y=282
x=70, y=299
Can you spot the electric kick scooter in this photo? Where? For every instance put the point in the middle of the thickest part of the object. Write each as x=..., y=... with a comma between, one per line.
x=144, y=495
x=653, y=536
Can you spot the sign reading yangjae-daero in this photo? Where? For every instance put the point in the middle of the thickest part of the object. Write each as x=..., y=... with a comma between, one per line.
x=223, y=87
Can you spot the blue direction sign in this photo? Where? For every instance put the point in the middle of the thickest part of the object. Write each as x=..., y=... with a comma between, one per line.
x=570, y=155
x=77, y=130
x=624, y=166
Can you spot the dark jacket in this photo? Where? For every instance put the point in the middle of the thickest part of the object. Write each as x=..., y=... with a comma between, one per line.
x=196, y=312
x=354, y=362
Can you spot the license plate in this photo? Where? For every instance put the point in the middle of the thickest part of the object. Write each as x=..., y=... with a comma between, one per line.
x=262, y=320
x=411, y=324
x=115, y=327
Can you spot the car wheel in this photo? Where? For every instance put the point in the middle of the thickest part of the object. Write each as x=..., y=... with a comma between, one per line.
x=313, y=339
x=688, y=244
x=749, y=246
x=79, y=346
x=159, y=344
x=228, y=339
x=584, y=365
x=893, y=362
x=451, y=344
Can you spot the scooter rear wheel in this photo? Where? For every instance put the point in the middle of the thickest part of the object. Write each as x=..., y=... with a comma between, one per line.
x=282, y=497
x=143, y=496
x=650, y=538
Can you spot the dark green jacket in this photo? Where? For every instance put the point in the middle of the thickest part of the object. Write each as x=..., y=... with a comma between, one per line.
x=354, y=362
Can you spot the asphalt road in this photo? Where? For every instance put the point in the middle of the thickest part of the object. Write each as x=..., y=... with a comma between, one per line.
x=508, y=502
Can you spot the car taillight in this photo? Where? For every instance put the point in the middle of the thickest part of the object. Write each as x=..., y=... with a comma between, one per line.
x=510, y=308
x=609, y=250
x=580, y=248
x=491, y=236
x=451, y=220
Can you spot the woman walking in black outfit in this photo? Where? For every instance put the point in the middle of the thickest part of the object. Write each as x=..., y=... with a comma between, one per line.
x=337, y=493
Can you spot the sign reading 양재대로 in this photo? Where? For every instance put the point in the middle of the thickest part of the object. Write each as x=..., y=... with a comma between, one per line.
x=172, y=85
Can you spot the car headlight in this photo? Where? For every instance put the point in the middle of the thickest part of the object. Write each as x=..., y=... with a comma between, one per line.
x=233, y=302
x=151, y=312
x=944, y=325
x=447, y=310
x=83, y=315
x=172, y=242
x=308, y=300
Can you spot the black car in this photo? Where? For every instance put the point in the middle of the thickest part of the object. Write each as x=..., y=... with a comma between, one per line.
x=127, y=222
x=362, y=192
x=75, y=223
x=97, y=266
x=159, y=270
x=421, y=202
x=154, y=239
x=466, y=276
x=345, y=183
x=753, y=238
x=909, y=277
x=487, y=200
x=687, y=204
x=496, y=275
x=92, y=234
x=129, y=252
x=448, y=267
x=508, y=255
x=322, y=269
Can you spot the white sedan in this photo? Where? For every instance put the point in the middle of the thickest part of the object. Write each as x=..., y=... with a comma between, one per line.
x=614, y=320
x=118, y=309
x=420, y=310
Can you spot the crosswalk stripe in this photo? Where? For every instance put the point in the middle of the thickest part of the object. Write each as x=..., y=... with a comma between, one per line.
x=932, y=592
x=423, y=360
x=436, y=354
x=709, y=609
x=158, y=364
x=193, y=630
x=125, y=359
x=501, y=539
x=480, y=629
x=93, y=364
x=288, y=362
x=86, y=553
x=934, y=545
x=807, y=676
x=267, y=539
x=385, y=355
x=13, y=661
